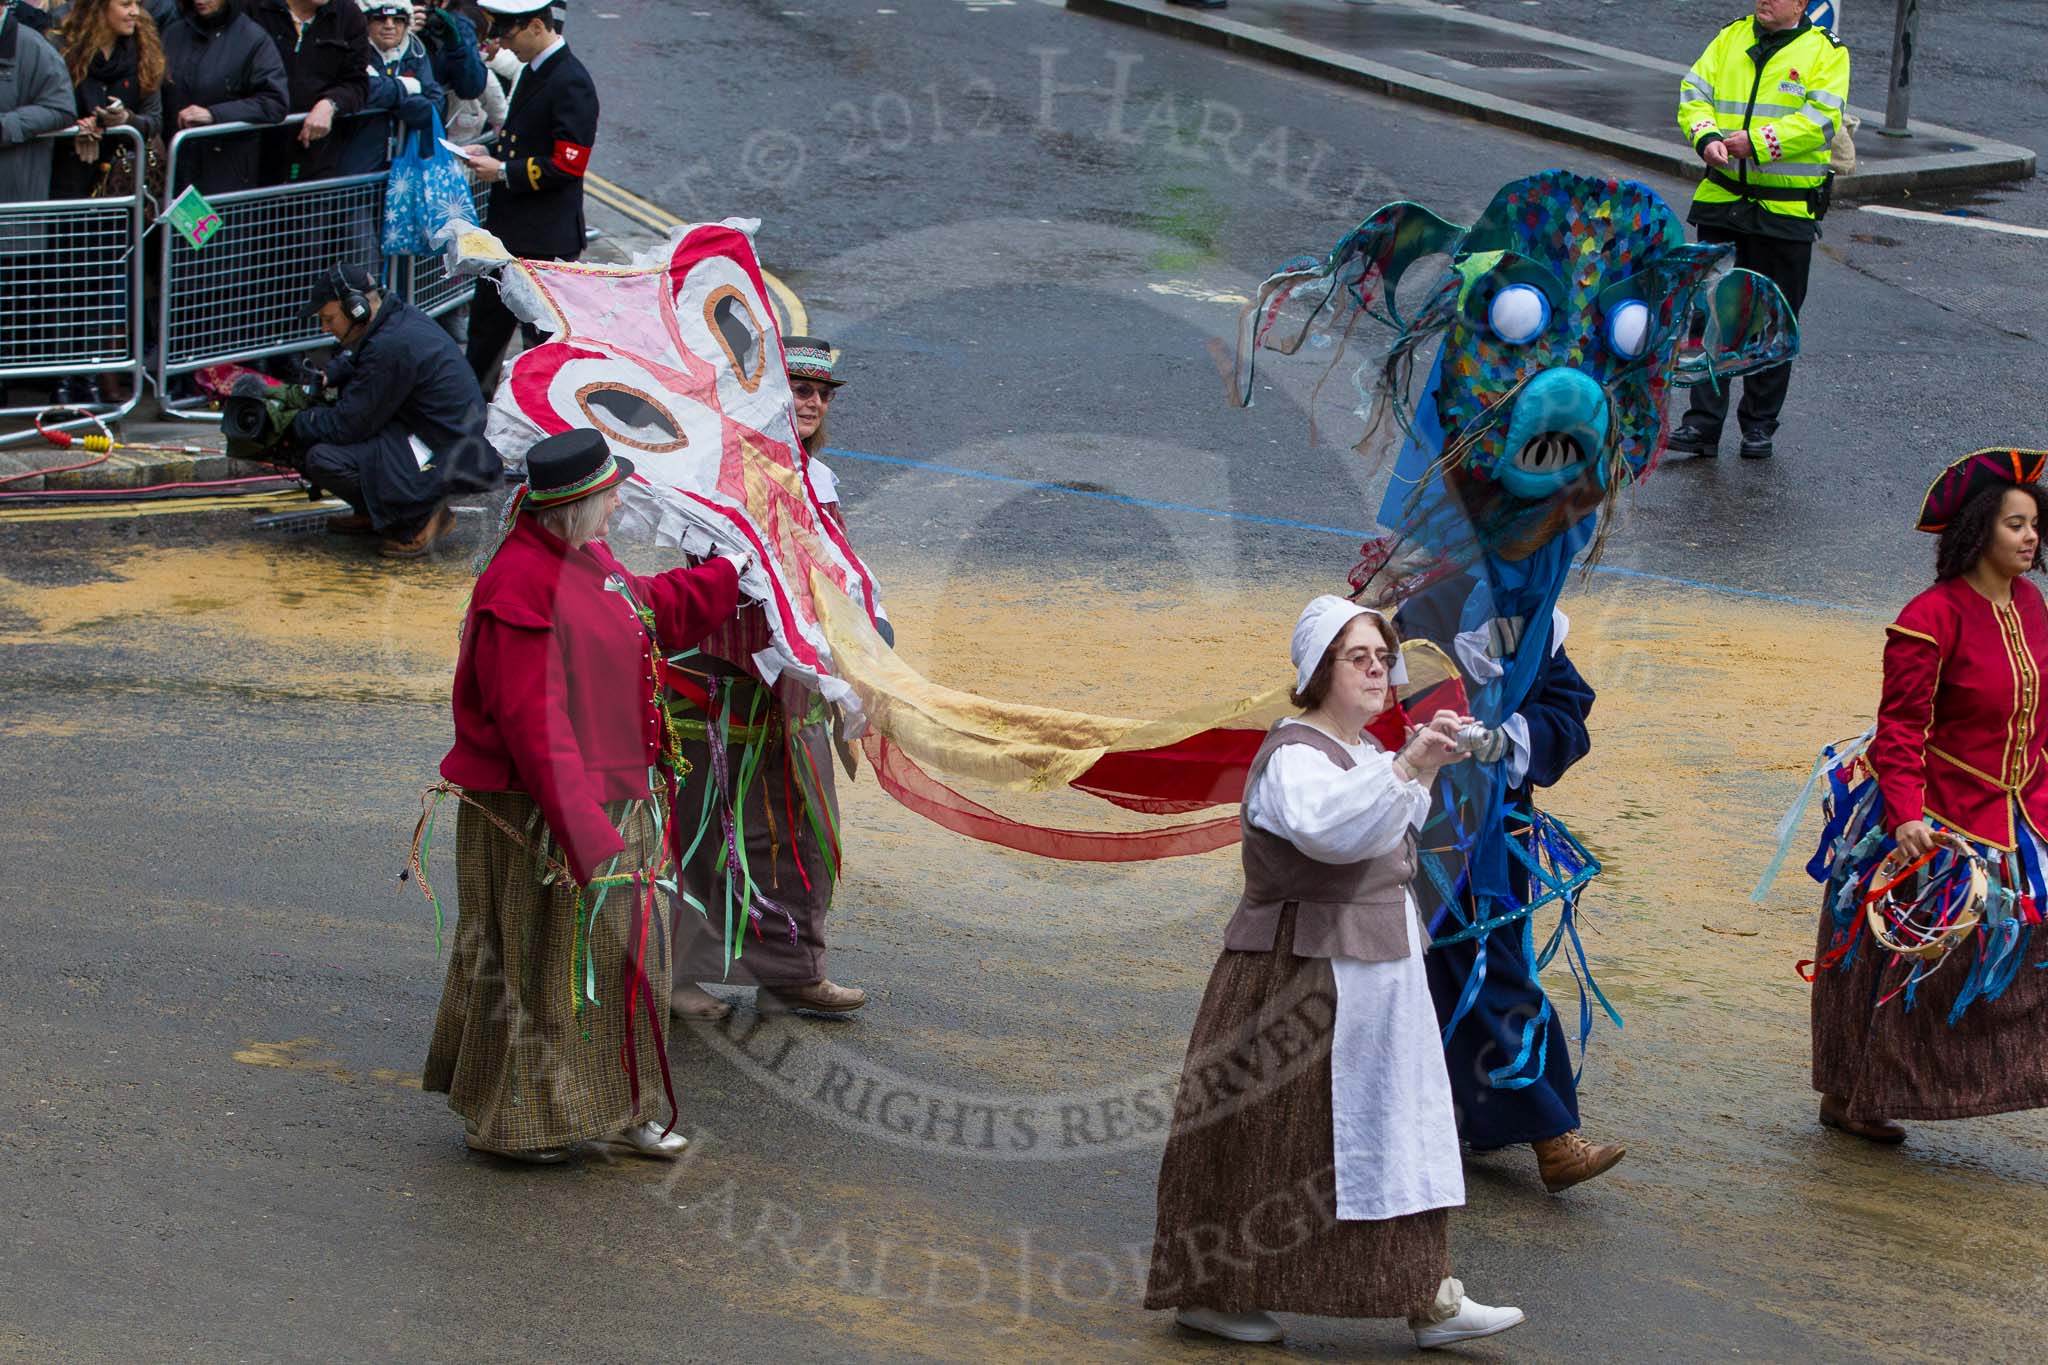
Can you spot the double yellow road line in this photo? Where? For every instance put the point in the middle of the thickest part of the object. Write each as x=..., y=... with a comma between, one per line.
x=796, y=321
x=158, y=507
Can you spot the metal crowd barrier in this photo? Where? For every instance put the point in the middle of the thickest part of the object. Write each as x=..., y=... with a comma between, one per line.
x=71, y=290
x=241, y=297
x=72, y=278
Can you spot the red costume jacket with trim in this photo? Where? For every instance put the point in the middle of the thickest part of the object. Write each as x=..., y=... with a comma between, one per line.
x=554, y=690
x=1959, y=730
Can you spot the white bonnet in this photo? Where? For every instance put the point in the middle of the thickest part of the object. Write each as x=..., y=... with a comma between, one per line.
x=1322, y=621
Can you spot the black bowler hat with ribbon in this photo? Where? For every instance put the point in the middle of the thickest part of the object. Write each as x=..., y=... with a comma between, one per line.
x=561, y=469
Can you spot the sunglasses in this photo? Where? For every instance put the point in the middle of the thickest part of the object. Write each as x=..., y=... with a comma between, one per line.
x=800, y=388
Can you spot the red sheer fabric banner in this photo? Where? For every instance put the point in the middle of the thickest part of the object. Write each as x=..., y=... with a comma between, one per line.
x=1196, y=773
x=917, y=789
x=1200, y=771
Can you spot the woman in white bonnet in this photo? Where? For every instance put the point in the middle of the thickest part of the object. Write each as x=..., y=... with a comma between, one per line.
x=1314, y=1152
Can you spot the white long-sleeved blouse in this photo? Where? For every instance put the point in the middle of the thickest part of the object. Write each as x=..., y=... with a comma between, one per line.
x=1332, y=815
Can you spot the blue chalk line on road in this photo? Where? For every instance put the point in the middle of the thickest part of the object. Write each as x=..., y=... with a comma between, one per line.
x=1285, y=523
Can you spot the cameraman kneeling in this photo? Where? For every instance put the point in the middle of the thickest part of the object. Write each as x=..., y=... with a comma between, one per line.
x=407, y=429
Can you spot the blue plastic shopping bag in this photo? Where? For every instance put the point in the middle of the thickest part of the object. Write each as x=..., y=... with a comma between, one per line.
x=428, y=190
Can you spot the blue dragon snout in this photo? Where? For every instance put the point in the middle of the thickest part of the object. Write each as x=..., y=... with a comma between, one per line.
x=1556, y=431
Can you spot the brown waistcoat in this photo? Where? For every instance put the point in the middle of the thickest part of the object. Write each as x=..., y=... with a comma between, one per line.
x=1342, y=910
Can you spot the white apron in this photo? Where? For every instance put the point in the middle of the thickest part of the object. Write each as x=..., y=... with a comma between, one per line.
x=1394, y=1128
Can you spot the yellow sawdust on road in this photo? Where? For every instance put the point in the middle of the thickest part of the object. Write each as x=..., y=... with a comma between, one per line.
x=332, y=620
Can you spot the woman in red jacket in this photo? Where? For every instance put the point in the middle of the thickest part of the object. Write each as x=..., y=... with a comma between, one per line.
x=1957, y=751
x=564, y=762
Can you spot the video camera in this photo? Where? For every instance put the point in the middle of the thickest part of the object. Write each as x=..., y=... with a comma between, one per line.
x=257, y=419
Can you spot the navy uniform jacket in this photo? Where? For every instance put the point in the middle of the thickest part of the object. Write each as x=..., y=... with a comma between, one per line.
x=550, y=127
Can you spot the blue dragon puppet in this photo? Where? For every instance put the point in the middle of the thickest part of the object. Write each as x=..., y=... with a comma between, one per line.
x=1565, y=316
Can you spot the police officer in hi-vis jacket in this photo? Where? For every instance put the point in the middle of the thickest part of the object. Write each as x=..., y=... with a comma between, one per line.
x=1761, y=106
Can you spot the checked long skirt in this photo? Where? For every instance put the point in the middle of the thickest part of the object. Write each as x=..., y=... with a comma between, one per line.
x=509, y=1049
x=1248, y=1185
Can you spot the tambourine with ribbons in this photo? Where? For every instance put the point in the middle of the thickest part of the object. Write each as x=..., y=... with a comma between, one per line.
x=1926, y=906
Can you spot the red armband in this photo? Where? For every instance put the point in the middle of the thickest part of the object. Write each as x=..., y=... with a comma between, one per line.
x=570, y=159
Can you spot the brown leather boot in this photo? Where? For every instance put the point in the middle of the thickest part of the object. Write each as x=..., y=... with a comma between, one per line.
x=819, y=998
x=438, y=525
x=1834, y=1113
x=1568, y=1159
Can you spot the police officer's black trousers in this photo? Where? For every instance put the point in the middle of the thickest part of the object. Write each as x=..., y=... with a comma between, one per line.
x=1785, y=264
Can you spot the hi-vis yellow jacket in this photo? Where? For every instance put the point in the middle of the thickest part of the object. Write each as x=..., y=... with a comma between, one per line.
x=1790, y=106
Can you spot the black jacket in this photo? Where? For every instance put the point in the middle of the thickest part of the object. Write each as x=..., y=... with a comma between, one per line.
x=331, y=62
x=550, y=127
x=228, y=66
x=406, y=373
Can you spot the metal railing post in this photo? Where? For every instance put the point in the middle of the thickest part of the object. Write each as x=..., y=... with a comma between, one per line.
x=1898, y=102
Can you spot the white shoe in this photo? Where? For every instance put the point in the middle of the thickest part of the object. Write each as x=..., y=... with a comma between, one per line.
x=1474, y=1320
x=1258, y=1327
x=645, y=1139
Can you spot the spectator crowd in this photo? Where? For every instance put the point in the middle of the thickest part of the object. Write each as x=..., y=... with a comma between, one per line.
x=363, y=73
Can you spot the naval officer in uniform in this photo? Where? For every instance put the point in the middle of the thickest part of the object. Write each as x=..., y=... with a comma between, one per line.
x=535, y=168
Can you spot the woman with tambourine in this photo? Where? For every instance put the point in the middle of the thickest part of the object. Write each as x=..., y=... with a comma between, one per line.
x=1926, y=1001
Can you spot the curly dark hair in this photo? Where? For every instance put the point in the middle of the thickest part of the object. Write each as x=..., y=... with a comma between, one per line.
x=86, y=29
x=1318, y=689
x=1964, y=538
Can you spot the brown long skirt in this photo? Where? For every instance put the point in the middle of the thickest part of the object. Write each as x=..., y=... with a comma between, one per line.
x=1888, y=1061
x=784, y=856
x=1248, y=1187
x=508, y=1049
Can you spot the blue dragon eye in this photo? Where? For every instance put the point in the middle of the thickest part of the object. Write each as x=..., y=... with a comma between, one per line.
x=1628, y=328
x=1518, y=314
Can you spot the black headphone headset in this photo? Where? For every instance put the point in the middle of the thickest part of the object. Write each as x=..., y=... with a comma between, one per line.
x=352, y=300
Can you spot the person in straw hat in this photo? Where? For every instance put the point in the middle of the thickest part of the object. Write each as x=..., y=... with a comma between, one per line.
x=1959, y=764
x=566, y=770
x=1313, y=1158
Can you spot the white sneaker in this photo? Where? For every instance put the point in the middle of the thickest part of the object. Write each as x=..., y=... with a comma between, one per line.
x=645, y=1139
x=1256, y=1327
x=1474, y=1320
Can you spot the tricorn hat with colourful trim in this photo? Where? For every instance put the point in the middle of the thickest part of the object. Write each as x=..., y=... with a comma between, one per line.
x=1952, y=489
x=810, y=358
x=574, y=464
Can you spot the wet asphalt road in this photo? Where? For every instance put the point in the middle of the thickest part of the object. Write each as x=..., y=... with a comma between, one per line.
x=1040, y=261
x=218, y=996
